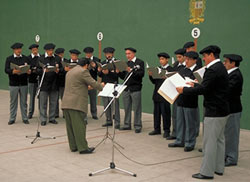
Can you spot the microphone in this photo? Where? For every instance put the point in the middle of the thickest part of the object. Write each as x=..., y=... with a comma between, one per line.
x=136, y=67
x=46, y=65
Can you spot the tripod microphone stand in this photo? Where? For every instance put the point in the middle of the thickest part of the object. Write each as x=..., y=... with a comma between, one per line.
x=112, y=166
x=38, y=135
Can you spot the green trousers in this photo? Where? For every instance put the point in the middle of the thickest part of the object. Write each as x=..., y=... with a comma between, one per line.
x=76, y=129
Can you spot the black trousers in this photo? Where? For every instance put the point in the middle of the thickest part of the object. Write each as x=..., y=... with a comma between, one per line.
x=162, y=109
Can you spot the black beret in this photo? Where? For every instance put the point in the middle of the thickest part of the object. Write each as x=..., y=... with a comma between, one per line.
x=180, y=51
x=59, y=50
x=192, y=54
x=33, y=46
x=83, y=62
x=17, y=45
x=233, y=57
x=49, y=46
x=188, y=45
x=211, y=49
x=109, y=50
x=75, y=51
x=88, y=49
x=131, y=49
x=163, y=54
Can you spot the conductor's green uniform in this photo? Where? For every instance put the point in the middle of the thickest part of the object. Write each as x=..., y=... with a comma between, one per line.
x=75, y=106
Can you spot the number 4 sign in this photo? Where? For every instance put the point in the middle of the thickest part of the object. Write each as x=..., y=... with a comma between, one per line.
x=195, y=33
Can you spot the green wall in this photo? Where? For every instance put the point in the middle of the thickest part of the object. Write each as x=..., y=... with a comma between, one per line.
x=151, y=26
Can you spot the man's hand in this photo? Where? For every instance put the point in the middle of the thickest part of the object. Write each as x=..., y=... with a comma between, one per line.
x=92, y=64
x=99, y=69
x=129, y=69
x=15, y=71
x=191, y=84
x=150, y=73
x=90, y=88
x=103, y=84
x=66, y=68
x=179, y=90
x=57, y=70
x=29, y=72
x=106, y=71
x=117, y=71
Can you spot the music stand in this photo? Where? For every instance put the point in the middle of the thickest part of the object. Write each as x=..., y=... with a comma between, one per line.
x=116, y=92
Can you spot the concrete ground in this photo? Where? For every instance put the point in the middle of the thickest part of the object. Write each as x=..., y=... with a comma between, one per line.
x=51, y=160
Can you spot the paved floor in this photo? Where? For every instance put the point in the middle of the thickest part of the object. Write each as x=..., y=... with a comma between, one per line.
x=51, y=160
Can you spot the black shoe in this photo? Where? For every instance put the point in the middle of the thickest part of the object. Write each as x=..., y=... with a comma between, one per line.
x=171, y=138
x=11, y=122
x=154, y=132
x=29, y=116
x=107, y=124
x=117, y=127
x=53, y=122
x=125, y=128
x=56, y=116
x=26, y=122
x=43, y=123
x=171, y=145
x=137, y=130
x=88, y=151
x=188, y=149
x=95, y=117
x=200, y=176
x=228, y=164
x=219, y=174
x=200, y=150
x=75, y=150
x=166, y=134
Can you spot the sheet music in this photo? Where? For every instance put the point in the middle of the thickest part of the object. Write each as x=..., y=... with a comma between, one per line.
x=109, y=89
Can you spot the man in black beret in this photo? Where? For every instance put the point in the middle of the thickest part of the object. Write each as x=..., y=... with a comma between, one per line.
x=215, y=89
x=161, y=106
x=132, y=94
x=59, y=53
x=232, y=129
x=110, y=76
x=187, y=109
x=177, y=67
x=33, y=82
x=93, y=70
x=190, y=46
x=49, y=89
x=18, y=83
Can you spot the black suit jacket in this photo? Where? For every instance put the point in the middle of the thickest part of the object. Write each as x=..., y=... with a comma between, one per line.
x=62, y=73
x=14, y=79
x=111, y=77
x=94, y=71
x=189, y=101
x=235, y=90
x=215, y=89
x=158, y=82
x=33, y=66
x=135, y=82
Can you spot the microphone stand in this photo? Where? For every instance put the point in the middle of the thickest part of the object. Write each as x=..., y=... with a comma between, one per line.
x=38, y=135
x=112, y=166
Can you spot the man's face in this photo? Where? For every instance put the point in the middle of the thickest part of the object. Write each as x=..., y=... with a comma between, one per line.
x=190, y=49
x=189, y=62
x=109, y=55
x=34, y=51
x=228, y=65
x=180, y=58
x=17, y=51
x=88, y=55
x=61, y=55
x=163, y=61
x=208, y=57
x=50, y=52
x=129, y=54
x=74, y=57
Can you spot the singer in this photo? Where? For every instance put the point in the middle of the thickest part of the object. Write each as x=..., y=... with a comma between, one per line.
x=49, y=89
x=132, y=94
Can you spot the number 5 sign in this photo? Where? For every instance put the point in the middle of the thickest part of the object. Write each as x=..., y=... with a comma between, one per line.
x=195, y=33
